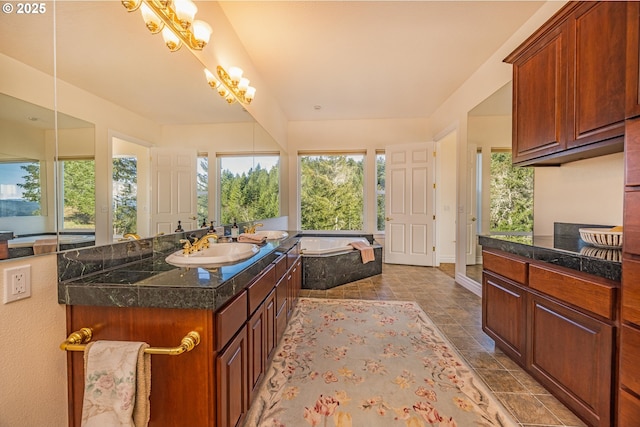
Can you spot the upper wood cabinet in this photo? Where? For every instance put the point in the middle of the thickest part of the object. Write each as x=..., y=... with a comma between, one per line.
x=568, y=90
x=633, y=59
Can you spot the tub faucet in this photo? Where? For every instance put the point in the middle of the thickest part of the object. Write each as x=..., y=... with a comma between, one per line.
x=252, y=229
x=133, y=236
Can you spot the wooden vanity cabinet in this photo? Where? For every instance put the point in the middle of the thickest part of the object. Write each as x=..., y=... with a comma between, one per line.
x=568, y=101
x=559, y=325
x=633, y=60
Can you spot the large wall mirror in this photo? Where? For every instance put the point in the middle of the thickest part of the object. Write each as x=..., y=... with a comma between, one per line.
x=500, y=196
x=119, y=95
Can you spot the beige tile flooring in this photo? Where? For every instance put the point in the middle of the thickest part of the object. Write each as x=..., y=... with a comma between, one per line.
x=457, y=312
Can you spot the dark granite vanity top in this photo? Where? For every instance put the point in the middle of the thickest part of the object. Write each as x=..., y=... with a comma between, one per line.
x=135, y=274
x=564, y=248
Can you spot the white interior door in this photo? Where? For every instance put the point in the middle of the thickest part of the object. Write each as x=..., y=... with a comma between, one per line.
x=410, y=213
x=472, y=204
x=174, y=195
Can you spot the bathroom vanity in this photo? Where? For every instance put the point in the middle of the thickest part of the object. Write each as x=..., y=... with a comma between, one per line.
x=128, y=292
x=554, y=311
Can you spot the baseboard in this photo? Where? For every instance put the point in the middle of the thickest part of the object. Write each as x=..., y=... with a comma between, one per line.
x=447, y=260
x=469, y=284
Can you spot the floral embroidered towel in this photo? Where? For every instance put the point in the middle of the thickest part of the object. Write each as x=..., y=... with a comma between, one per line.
x=366, y=251
x=117, y=384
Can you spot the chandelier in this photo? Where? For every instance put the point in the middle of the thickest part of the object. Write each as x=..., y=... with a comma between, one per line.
x=175, y=19
x=231, y=85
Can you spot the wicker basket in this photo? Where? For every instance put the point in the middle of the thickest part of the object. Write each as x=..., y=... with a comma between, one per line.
x=602, y=237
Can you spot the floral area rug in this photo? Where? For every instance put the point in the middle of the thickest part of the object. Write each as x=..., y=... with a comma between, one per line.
x=362, y=363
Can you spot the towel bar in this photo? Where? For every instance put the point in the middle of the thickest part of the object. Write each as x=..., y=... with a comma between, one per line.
x=77, y=341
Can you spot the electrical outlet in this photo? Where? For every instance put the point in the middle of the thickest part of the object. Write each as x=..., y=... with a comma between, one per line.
x=17, y=283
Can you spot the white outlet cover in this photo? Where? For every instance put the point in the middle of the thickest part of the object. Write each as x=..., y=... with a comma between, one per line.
x=9, y=273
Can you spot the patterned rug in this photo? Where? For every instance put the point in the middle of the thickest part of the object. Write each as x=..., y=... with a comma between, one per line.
x=362, y=363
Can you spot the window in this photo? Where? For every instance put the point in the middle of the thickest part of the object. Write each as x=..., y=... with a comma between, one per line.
x=20, y=189
x=78, y=194
x=380, y=186
x=125, y=195
x=202, y=188
x=249, y=187
x=511, y=196
x=332, y=191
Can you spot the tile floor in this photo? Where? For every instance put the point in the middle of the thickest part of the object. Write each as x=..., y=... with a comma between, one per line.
x=457, y=312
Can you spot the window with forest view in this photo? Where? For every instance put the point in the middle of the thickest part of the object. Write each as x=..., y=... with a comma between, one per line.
x=125, y=195
x=249, y=188
x=511, y=195
x=20, y=189
x=332, y=192
x=380, y=192
x=78, y=194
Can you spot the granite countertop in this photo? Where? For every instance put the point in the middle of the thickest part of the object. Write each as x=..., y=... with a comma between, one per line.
x=149, y=281
x=560, y=249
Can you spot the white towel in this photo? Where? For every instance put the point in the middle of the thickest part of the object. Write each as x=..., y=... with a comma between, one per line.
x=117, y=384
x=251, y=238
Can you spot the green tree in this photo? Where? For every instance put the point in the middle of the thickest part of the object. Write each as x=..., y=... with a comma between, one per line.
x=202, y=187
x=125, y=198
x=332, y=193
x=249, y=196
x=380, y=190
x=511, y=195
x=32, y=188
x=79, y=194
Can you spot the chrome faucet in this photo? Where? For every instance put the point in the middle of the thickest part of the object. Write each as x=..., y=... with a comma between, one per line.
x=252, y=229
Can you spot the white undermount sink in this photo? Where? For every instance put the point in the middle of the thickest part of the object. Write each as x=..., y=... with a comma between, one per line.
x=272, y=234
x=216, y=255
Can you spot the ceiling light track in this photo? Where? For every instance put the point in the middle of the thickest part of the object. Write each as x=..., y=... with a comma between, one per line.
x=175, y=18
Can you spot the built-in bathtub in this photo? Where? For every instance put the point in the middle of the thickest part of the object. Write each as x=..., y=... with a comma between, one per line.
x=329, y=261
x=29, y=244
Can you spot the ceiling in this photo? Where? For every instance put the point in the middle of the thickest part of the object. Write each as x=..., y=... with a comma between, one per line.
x=321, y=60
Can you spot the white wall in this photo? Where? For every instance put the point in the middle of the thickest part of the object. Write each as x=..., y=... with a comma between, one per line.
x=33, y=372
x=446, y=149
x=584, y=192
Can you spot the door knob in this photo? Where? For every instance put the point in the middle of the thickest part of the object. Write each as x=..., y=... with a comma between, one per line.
x=193, y=217
x=388, y=218
x=473, y=218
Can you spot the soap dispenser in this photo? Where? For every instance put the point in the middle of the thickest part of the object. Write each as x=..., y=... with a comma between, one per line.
x=179, y=229
x=234, y=230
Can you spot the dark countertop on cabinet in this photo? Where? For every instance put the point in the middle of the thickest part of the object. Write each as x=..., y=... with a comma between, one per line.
x=92, y=276
x=570, y=252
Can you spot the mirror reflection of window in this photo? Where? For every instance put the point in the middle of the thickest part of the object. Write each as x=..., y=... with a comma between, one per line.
x=511, y=196
x=249, y=187
x=125, y=195
x=202, y=189
x=20, y=189
x=78, y=207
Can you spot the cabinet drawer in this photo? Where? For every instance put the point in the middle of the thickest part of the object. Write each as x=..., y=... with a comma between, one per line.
x=292, y=255
x=261, y=287
x=630, y=359
x=628, y=409
x=229, y=319
x=281, y=293
x=587, y=292
x=631, y=241
x=281, y=266
x=510, y=266
x=631, y=290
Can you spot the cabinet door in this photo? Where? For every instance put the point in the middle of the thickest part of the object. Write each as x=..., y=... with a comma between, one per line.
x=596, y=96
x=539, y=100
x=631, y=291
x=632, y=152
x=232, y=382
x=257, y=348
x=633, y=59
x=572, y=355
x=504, y=314
x=628, y=409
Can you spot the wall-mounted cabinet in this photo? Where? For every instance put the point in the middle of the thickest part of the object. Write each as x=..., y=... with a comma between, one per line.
x=568, y=97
